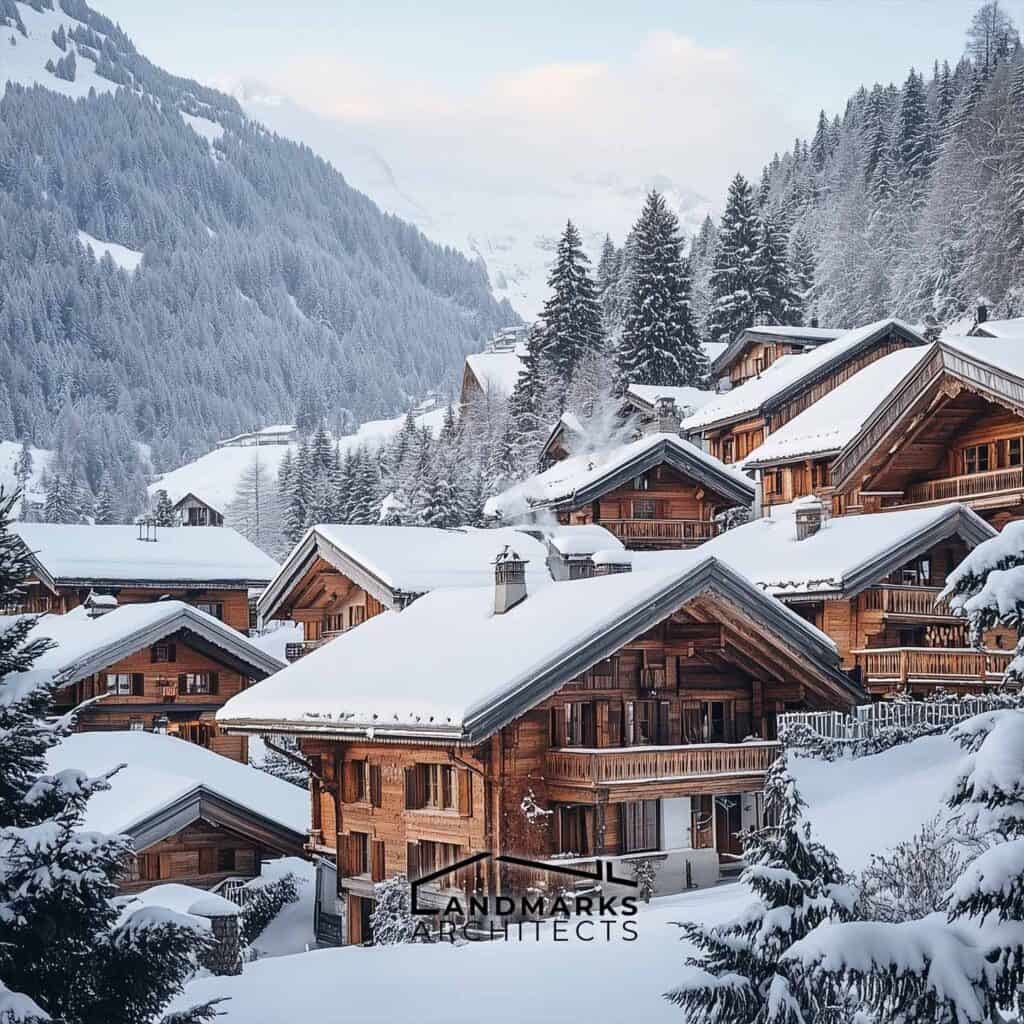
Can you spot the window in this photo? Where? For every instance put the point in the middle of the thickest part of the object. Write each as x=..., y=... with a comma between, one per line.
x=727, y=450
x=214, y=608
x=197, y=682
x=356, y=615
x=426, y=857
x=976, y=458
x=430, y=786
x=358, y=853
x=638, y=826
x=162, y=653
x=581, y=569
x=1014, y=452
x=642, y=483
x=645, y=509
x=646, y=722
x=198, y=516
x=136, y=724
x=580, y=725
x=773, y=482
x=574, y=830
x=717, y=721
x=119, y=683
x=225, y=860
x=353, y=782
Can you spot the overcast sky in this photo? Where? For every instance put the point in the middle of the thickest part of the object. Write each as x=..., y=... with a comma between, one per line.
x=691, y=89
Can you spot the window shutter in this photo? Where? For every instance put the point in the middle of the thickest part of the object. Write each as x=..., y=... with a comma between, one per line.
x=663, y=722
x=615, y=723
x=348, y=781
x=182, y=686
x=410, y=789
x=214, y=682
x=138, y=684
x=412, y=860
x=171, y=652
x=377, y=860
x=152, y=655
x=376, y=796
x=465, y=798
x=344, y=855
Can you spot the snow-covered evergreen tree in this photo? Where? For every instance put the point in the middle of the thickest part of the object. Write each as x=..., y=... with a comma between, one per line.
x=392, y=921
x=734, y=275
x=70, y=951
x=163, y=510
x=775, y=295
x=659, y=344
x=255, y=509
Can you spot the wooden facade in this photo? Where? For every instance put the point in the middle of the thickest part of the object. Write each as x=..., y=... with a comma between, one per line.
x=754, y=350
x=193, y=511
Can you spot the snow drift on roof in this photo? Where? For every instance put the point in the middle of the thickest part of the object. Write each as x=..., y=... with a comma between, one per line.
x=186, y=554
x=685, y=398
x=584, y=539
x=836, y=418
x=161, y=769
x=1004, y=355
x=787, y=331
x=750, y=396
x=1004, y=328
x=497, y=372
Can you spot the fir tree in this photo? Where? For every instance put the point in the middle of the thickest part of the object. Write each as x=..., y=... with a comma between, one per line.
x=775, y=295
x=734, y=276
x=659, y=344
x=802, y=268
x=68, y=949
x=163, y=510
x=105, y=508
x=392, y=921
x=609, y=293
x=62, y=504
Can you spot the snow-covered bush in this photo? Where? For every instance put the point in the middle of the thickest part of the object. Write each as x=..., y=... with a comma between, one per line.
x=392, y=921
x=739, y=972
x=645, y=874
x=264, y=901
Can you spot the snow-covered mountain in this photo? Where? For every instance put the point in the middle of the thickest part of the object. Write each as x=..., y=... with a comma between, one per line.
x=508, y=221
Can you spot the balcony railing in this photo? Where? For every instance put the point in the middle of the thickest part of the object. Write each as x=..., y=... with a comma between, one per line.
x=292, y=652
x=607, y=766
x=923, y=664
x=910, y=601
x=662, y=531
x=959, y=488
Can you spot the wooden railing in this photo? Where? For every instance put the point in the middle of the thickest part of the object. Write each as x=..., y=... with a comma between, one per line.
x=970, y=485
x=900, y=664
x=917, y=601
x=660, y=531
x=593, y=767
x=292, y=652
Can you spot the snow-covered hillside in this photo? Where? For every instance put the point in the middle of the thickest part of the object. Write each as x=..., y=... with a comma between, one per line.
x=9, y=452
x=511, y=224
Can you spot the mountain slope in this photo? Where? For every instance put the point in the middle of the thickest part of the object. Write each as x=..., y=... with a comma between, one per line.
x=246, y=281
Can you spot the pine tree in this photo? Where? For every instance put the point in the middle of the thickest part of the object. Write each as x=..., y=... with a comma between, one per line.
x=392, y=921
x=299, y=496
x=163, y=510
x=609, y=293
x=23, y=467
x=105, y=508
x=738, y=973
x=775, y=295
x=734, y=276
x=68, y=950
x=659, y=344
x=913, y=134
x=62, y=501
x=802, y=268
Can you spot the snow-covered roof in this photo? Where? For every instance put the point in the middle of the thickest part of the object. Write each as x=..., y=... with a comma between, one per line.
x=792, y=372
x=996, y=352
x=584, y=539
x=646, y=395
x=1001, y=328
x=85, y=645
x=84, y=555
x=847, y=554
x=448, y=666
x=162, y=770
x=393, y=561
x=833, y=420
x=582, y=478
x=497, y=372
x=612, y=556
x=807, y=337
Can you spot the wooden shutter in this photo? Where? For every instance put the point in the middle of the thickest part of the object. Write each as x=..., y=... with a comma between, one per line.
x=214, y=682
x=557, y=730
x=376, y=795
x=152, y=654
x=207, y=860
x=344, y=855
x=412, y=861
x=138, y=684
x=172, y=652
x=410, y=789
x=465, y=798
x=350, y=781
x=663, y=722
x=377, y=860
x=615, y=723
x=182, y=686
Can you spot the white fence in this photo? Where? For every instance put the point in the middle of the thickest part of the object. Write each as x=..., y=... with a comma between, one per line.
x=869, y=719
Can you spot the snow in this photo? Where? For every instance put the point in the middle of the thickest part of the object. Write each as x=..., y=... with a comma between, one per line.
x=564, y=479
x=417, y=559
x=584, y=539
x=125, y=258
x=990, y=777
x=835, y=419
x=184, y=899
x=544, y=981
x=1004, y=328
x=292, y=930
x=447, y=658
x=790, y=370
x=1002, y=588
x=685, y=398
x=277, y=636
x=994, y=351
x=9, y=452
x=160, y=770
x=786, y=331
x=25, y=62
x=613, y=556
x=997, y=872
x=208, y=129
x=767, y=551
x=115, y=553
x=497, y=372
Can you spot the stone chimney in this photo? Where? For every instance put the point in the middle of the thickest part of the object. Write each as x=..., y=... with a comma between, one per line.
x=982, y=313
x=99, y=604
x=509, y=580
x=612, y=561
x=810, y=514
x=666, y=417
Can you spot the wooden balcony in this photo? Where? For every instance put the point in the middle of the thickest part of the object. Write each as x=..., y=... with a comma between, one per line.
x=703, y=763
x=292, y=652
x=906, y=602
x=970, y=487
x=885, y=666
x=675, y=532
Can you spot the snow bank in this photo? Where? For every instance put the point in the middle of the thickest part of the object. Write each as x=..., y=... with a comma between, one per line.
x=292, y=930
x=9, y=452
x=125, y=258
x=277, y=637
x=209, y=130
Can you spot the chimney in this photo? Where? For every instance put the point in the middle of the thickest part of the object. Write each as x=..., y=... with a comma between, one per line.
x=814, y=321
x=982, y=314
x=612, y=561
x=810, y=514
x=99, y=604
x=509, y=580
x=666, y=417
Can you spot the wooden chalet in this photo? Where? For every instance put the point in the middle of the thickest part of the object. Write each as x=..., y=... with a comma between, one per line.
x=734, y=424
x=214, y=570
x=194, y=818
x=953, y=430
x=494, y=371
x=659, y=491
x=337, y=577
x=193, y=511
x=872, y=584
x=162, y=666
x=756, y=348
x=630, y=716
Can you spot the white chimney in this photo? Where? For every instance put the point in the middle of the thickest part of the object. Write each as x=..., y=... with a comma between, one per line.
x=612, y=561
x=509, y=580
x=99, y=604
x=810, y=514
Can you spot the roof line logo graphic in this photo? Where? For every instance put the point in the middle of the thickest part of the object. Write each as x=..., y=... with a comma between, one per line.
x=604, y=871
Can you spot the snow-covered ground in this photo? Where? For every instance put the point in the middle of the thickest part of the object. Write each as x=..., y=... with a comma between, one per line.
x=125, y=258
x=292, y=930
x=9, y=452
